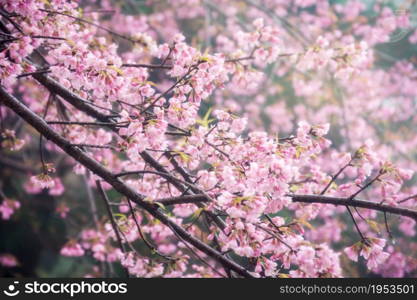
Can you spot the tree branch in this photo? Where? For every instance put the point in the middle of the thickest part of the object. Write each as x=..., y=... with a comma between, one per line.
x=355, y=203
x=406, y=212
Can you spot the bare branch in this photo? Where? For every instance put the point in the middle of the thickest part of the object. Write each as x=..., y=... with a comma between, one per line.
x=402, y=211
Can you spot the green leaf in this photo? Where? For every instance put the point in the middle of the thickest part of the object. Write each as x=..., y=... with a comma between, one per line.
x=205, y=122
x=197, y=214
x=374, y=226
x=239, y=200
x=184, y=156
x=160, y=205
x=120, y=217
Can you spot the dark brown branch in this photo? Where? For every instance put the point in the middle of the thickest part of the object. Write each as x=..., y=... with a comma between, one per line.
x=95, y=146
x=376, y=178
x=408, y=198
x=356, y=224
x=355, y=203
x=48, y=37
x=183, y=199
x=402, y=211
x=176, y=133
x=33, y=73
x=335, y=176
x=234, y=60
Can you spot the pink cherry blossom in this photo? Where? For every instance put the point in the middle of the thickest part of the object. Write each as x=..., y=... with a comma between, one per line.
x=43, y=181
x=72, y=249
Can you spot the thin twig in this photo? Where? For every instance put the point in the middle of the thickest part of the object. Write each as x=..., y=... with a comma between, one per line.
x=111, y=217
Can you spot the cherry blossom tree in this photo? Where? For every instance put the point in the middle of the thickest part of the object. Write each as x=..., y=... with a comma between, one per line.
x=216, y=138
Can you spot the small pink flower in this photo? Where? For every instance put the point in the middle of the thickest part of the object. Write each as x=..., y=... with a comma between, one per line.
x=320, y=130
x=303, y=131
x=371, y=250
x=43, y=181
x=238, y=125
x=405, y=174
x=246, y=251
x=72, y=249
x=376, y=258
x=8, y=207
x=258, y=23
x=58, y=188
x=62, y=209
